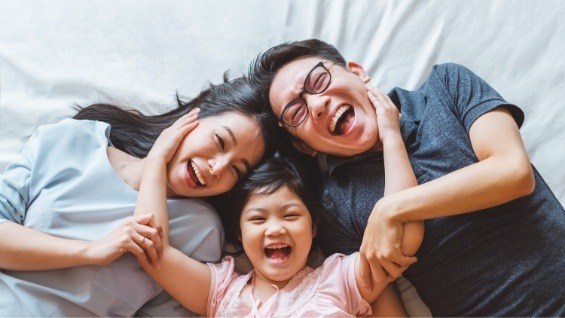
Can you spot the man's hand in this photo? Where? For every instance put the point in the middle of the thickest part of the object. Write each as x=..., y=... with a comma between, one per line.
x=381, y=254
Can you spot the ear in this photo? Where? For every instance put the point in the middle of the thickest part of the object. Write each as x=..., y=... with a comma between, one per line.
x=314, y=231
x=302, y=147
x=358, y=70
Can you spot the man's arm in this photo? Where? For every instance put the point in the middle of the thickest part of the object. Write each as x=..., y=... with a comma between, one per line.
x=502, y=174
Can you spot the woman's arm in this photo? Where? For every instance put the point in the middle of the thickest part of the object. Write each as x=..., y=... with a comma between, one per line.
x=27, y=249
x=187, y=280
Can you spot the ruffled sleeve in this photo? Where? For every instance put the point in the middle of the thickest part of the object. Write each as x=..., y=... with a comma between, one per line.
x=223, y=274
x=337, y=282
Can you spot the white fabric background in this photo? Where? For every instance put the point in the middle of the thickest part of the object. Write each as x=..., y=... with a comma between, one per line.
x=57, y=53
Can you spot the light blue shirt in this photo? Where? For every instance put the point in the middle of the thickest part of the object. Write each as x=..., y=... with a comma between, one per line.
x=65, y=186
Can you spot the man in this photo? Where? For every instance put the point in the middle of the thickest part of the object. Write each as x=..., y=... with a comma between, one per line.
x=494, y=231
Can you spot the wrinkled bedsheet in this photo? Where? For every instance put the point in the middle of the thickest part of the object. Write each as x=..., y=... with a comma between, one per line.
x=56, y=54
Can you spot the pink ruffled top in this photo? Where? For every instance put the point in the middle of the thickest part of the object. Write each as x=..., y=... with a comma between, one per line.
x=329, y=290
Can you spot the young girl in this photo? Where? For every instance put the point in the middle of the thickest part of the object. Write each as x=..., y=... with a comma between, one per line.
x=276, y=230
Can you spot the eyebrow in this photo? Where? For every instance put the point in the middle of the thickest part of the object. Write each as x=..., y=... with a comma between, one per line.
x=230, y=132
x=286, y=206
x=234, y=141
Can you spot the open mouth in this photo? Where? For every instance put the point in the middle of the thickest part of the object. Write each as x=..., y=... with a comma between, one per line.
x=194, y=174
x=278, y=252
x=342, y=120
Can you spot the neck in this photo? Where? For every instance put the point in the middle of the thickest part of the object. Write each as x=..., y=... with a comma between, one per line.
x=261, y=282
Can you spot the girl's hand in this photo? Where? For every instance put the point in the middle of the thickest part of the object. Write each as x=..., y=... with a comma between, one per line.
x=169, y=140
x=381, y=254
x=388, y=118
x=140, y=235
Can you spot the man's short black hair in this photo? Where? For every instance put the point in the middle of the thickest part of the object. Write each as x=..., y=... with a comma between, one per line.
x=263, y=70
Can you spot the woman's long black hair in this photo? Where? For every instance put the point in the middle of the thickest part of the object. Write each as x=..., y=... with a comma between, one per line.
x=135, y=133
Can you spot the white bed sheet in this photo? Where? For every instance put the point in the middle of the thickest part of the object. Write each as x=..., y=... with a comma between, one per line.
x=57, y=53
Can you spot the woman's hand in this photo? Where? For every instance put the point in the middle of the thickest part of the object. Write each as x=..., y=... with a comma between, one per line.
x=169, y=140
x=388, y=117
x=140, y=235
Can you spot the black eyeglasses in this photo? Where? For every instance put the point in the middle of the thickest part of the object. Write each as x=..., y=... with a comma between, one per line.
x=316, y=82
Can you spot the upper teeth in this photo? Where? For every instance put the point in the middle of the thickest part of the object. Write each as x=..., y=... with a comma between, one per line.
x=198, y=174
x=336, y=117
x=277, y=246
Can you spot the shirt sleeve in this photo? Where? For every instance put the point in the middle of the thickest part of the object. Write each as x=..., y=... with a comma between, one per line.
x=223, y=274
x=469, y=95
x=15, y=186
x=337, y=282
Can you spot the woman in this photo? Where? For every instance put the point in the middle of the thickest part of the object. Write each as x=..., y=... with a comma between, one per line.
x=66, y=208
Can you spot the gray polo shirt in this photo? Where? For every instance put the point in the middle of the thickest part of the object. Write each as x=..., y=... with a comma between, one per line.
x=507, y=260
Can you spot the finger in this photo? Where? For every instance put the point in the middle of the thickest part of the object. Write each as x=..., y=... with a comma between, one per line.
x=139, y=253
x=403, y=268
x=188, y=127
x=152, y=222
x=190, y=116
x=365, y=273
x=391, y=268
x=378, y=272
x=374, y=100
x=149, y=248
x=402, y=260
x=151, y=234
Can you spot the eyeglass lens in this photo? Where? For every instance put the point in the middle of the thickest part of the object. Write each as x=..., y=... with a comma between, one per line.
x=316, y=82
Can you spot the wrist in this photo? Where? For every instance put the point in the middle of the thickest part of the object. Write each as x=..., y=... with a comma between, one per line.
x=392, y=138
x=86, y=253
x=389, y=210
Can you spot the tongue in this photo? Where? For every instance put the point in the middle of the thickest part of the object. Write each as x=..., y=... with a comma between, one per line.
x=277, y=253
x=192, y=175
x=345, y=123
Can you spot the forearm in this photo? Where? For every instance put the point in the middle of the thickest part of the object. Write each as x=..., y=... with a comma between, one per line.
x=399, y=176
x=398, y=171
x=152, y=197
x=488, y=183
x=177, y=270
x=389, y=303
x=30, y=250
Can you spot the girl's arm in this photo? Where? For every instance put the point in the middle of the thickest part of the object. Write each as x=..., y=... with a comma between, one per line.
x=185, y=279
x=398, y=176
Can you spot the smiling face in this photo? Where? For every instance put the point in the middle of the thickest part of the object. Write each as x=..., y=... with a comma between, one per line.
x=276, y=232
x=341, y=120
x=213, y=156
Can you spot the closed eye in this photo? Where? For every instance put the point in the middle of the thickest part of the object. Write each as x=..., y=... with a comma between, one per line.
x=238, y=174
x=220, y=142
x=291, y=215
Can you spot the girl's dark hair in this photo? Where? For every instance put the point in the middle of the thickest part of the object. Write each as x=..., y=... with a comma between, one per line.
x=284, y=169
x=135, y=133
x=263, y=70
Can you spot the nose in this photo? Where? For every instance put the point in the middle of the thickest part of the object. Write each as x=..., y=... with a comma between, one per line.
x=275, y=228
x=217, y=165
x=317, y=103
